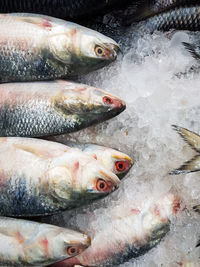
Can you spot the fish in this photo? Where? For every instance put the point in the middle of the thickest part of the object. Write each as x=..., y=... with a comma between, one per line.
x=193, y=140
x=50, y=108
x=65, y=9
x=142, y=9
x=193, y=49
x=39, y=177
x=179, y=18
x=133, y=232
x=28, y=243
x=41, y=48
x=113, y=160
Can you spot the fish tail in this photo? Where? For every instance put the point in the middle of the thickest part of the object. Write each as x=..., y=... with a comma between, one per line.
x=193, y=49
x=189, y=137
x=193, y=140
x=192, y=165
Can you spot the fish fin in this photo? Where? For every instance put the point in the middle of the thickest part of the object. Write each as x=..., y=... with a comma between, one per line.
x=197, y=208
x=198, y=244
x=137, y=11
x=193, y=49
x=192, y=165
x=38, y=21
x=38, y=151
x=189, y=137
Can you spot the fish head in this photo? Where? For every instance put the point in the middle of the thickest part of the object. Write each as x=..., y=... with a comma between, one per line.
x=69, y=243
x=114, y=160
x=75, y=178
x=81, y=49
x=87, y=105
x=96, y=180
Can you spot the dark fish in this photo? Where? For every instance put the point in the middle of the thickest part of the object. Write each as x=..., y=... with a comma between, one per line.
x=142, y=9
x=52, y=108
x=65, y=9
x=36, y=47
x=179, y=18
x=193, y=140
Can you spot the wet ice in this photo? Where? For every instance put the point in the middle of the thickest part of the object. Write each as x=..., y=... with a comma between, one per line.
x=148, y=78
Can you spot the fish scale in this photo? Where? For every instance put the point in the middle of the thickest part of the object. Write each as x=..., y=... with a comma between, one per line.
x=180, y=18
x=52, y=108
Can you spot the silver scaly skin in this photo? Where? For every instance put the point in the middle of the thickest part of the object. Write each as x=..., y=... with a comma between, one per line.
x=39, y=177
x=52, y=108
x=179, y=18
x=26, y=243
x=132, y=232
x=36, y=47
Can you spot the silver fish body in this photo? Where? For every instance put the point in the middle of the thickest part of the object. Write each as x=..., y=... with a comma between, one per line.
x=133, y=232
x=36, y=47
x=52, y=108
x=39, y=177
x=26, y=243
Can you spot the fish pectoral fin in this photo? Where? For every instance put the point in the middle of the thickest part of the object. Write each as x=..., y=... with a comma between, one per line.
x=38, y=151
x=192, y=165
x=189, y=137
x=38, y=21
x=193, y=49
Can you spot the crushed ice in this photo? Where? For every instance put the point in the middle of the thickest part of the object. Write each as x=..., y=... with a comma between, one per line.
x=151, y=77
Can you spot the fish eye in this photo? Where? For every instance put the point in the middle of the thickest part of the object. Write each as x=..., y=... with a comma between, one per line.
x=99, y=51
x=72, y=251
x=101, y=185
x=122, y=166
x=107, y=100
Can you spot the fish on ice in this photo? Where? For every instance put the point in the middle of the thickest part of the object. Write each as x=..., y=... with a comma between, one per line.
x=133, y=231
x=37, y=47
x=52, y=108
x=27, y=243
x=39, y=177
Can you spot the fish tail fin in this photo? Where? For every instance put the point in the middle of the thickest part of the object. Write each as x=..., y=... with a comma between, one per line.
x=192, y=165
x=189, y=137
x=193, y=49
x=193, y=140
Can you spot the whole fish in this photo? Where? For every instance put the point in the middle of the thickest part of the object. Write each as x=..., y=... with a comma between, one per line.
x=51, y=108
x=39, y=177
x=37, y=47
x=26, y=243
x=180, y=18
x=193, y=140
x=135, y=231
x=114, y=160
x=66, y=9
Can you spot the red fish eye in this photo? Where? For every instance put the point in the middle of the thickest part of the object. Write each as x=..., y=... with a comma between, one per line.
x=107, y=100
x=122, y=166
x=101, y=185
x=72, y=250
